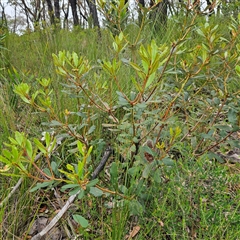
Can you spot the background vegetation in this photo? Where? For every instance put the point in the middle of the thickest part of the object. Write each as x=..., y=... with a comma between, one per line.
x=164, y=103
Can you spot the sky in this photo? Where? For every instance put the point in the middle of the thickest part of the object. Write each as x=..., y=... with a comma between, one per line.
x=8, y=9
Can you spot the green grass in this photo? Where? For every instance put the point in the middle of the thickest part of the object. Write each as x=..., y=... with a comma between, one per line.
x=193, y=198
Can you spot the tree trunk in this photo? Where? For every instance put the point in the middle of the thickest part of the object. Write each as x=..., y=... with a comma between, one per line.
x=3, y=21
x=73, y=4
x=66, y=13
x=50, y=11
x=57, y=9
x=93, y=11
x=140, y=15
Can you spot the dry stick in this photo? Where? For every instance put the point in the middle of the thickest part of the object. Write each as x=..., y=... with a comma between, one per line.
x=17, y=185
x=12, y=192
x=56, y=218
x=106, y=155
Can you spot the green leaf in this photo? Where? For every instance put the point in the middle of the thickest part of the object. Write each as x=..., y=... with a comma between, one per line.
x=81, y=220
x=134, y=171
x=224, y=127
x=147, y=170
x=135, y=208
x=91, y=129
x=75, y=191
x=200, y=32
x=157, y=176
x=22, y=90
x=67, y=186
x=80, y=169
x=70, y=176
x=115, y=46
x=75, y=59
x=96, y=192
x=40, y=146
x=7, y=156
x=61, y=71
x=89, y=151
x=150, y=79
x=47, y=138
x=70, y=168
x=41, y=185
x=54, y=167
x=81, y=148
x=55, y=123
x=114, y=170
x=2, y=172
x=19, y=138
x=13, y=141
x=29, y=148
x=81, y=194
x=145, y=65
x=153, y=50
x=47, y=171
x=136, y=67
x=168, y=161
x=52, y=145
x=212, y=155
x=92, y=183
x=232, y=116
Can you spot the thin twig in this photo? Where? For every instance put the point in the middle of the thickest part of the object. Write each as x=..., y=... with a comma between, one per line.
x=12, y=192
